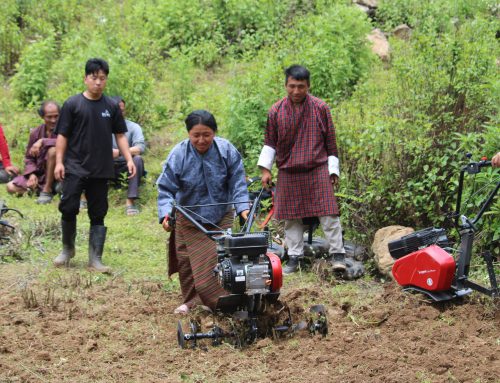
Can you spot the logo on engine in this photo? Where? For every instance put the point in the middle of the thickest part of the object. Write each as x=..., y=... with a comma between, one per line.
x=429, y=281
x=426, y=271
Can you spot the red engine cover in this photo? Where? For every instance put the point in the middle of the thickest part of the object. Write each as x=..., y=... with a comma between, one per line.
x=277, y=277
x=431, y=269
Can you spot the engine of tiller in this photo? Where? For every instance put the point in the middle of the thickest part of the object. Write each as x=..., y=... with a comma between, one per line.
x=247, y=270
x=422, y=262
x=253, y=277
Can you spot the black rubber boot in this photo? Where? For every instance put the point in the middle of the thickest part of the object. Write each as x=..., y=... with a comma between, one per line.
x=338, y=262
x=97, y=238
x=292, y=265
x=68, y=241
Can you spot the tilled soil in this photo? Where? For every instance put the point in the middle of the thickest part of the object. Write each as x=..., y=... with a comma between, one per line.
x=81, y=328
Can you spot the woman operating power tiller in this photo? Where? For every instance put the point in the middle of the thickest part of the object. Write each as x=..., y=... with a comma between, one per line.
x=201, y=170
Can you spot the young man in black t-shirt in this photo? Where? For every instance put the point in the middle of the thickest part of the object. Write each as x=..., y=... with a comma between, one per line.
x=84, y=160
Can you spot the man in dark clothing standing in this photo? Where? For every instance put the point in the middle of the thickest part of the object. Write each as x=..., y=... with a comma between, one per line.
x=301, y=137
x=84, y=160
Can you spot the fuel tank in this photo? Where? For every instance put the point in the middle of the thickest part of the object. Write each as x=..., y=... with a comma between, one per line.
x=430, y=268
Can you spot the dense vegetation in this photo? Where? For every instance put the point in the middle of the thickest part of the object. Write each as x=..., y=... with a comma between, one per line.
x=403, y=126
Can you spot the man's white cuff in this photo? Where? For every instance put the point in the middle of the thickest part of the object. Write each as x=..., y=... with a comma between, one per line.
x=266, y=157
x=333, y=166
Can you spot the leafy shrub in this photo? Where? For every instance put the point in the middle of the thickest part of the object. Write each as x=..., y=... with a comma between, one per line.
x=30, y=81
x=251, y=95
x=48, y=18
x=174, y=24
x=405, y=131
x=31, y=21
x=181, y=79
x=10, y=37
x=250, y=25
x=438, y=16
x=207, y=31
x=132, y=81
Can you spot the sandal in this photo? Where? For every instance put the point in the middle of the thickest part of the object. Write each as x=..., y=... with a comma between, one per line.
x=44, y=198
x=131, y=210
x=182, y=309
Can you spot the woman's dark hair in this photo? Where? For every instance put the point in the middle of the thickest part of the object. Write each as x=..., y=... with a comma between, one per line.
x=201, y=117
x=297, y=72
x=94, y=65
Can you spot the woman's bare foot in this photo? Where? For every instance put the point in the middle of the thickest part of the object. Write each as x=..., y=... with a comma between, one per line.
x=182, y=309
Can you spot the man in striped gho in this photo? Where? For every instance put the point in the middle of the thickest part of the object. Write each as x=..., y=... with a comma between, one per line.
x=300, y=136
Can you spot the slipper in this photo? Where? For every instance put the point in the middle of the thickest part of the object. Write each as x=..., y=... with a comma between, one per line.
x=44, y=198
x=182, y=309
x=131, y=210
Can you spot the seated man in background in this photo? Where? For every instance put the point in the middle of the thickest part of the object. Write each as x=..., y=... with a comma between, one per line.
x=137, y=146
x=40, y=157
x=6, y=168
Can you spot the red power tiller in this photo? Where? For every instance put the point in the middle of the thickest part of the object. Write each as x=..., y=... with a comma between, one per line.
x=423, y=261
x=250, y=272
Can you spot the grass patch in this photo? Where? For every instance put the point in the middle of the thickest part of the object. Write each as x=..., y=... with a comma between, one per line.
x=135, y=246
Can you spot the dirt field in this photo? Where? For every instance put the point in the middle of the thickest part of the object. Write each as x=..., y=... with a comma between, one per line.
x=76, y=327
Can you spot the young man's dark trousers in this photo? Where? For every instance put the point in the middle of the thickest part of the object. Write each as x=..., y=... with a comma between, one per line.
x=96, y=191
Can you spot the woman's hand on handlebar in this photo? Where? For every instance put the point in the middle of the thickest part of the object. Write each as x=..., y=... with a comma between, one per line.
x=166, y=226
x=244, y=214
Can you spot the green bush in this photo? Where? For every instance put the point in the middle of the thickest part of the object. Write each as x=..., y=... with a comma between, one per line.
x=30, y=82
x=250, y=25
x=431, y=17
x=132, y=81
x=174, y=24
x=207, y=31
x=49, y=18
x=405, y=131
x=251, y=95
x=180, y=78
x=10, y=37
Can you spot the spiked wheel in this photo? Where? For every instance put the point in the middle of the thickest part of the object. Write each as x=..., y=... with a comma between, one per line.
x=318, y=323
x=180, y=335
